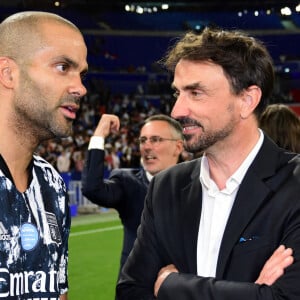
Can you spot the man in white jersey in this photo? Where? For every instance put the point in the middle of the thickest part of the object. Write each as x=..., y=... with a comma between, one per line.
x=42, y=60
x=210, y=225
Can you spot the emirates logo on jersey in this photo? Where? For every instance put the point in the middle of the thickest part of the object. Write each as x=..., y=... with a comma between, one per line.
x=27, y=283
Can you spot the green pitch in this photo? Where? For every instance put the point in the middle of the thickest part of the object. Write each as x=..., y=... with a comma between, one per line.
x=94, y=256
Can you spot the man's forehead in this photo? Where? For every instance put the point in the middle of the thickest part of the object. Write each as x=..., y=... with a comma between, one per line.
x=155, y=127
x=54, y=28
x=62, y=37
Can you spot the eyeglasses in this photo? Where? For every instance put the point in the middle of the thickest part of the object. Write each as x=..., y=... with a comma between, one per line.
x=154, y=140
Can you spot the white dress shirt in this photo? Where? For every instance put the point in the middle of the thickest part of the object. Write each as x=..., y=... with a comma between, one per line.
x=216, y=207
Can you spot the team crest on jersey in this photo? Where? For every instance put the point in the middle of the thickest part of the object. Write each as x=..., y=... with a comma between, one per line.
x=53, y=227
x=4, y=236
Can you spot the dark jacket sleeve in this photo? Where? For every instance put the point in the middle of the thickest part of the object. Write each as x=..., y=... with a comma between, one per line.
x=104, y=192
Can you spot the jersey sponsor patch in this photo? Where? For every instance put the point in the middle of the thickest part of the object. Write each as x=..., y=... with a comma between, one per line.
x=53, y=227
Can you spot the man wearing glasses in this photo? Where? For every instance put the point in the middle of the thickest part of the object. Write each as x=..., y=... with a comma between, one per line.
x=161, y=143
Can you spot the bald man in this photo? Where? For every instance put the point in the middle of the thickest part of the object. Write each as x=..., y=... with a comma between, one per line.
x=42, y=60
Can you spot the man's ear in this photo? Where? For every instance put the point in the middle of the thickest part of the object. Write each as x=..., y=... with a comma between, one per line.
x=250, y=99
x=179, y=147
x=6, y=72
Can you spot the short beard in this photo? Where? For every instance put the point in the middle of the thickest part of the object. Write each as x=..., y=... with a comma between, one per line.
x=200, y=143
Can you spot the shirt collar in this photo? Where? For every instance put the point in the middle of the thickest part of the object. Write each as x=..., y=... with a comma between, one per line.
x=4, y=168
x=236, y=178
x=149, y=176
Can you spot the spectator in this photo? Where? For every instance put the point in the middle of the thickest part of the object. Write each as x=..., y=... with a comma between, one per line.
x=282, y=125
x=160, y=145
x=64, y=161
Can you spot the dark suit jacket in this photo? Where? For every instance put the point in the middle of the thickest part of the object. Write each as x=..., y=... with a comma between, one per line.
x=125, y=191
x=265, y=214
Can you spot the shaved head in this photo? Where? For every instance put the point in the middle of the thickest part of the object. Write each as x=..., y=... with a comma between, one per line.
x=42, y=61
x=22, y=32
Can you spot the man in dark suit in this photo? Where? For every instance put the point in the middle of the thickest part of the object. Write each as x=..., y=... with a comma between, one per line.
x=161, y=143
x=210, y=225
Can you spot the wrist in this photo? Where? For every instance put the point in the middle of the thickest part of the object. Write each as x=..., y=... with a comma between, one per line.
x=96, y=142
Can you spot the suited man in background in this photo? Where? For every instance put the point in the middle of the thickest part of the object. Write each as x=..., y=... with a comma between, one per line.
x=209, y=225
x=161, y=143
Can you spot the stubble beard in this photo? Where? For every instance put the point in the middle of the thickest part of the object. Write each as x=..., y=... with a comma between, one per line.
x=203, y=141
x=33, y=116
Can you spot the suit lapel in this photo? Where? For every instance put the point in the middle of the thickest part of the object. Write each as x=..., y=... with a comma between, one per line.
x=141, y=174
x=249, y=198
x=191, y=199
x=252, y=193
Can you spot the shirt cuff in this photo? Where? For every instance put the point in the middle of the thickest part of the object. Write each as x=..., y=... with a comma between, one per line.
x=96, y=142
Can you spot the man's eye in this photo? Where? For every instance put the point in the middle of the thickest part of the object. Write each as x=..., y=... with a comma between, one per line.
x=154, y=139
x=142, y=140
x=196, y=93
x=62, y=67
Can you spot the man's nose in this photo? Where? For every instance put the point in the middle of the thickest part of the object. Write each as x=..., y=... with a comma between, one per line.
x=179, y=108
x=77, y=88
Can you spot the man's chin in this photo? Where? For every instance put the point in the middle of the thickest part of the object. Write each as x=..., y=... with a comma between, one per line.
x=63, y=132
x=192, y=147
x=151, y=169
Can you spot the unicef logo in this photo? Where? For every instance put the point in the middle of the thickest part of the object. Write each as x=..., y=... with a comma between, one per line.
x=29, y=236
